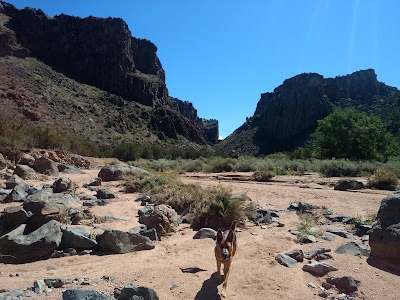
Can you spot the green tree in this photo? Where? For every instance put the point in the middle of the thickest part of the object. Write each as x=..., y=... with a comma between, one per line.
x=349, y=133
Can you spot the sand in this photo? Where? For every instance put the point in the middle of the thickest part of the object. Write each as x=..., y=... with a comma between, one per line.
x=255, y=274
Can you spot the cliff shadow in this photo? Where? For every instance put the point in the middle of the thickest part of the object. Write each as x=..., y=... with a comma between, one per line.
x=387, y=265
x=209, y=290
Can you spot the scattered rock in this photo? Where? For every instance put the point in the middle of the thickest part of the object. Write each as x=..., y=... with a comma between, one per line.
x=347, y=285
x=75, y=294
x=13, y=181
x=311, y=254
x=57, y=282
x=297, y=254
x=63, y=184
x=340, y=219
x=319, y=268
x=116, y=241
x=362, y=229
x=262, y=216
x=18, y=193
x=163, y=218
x=346, y=185
x=105, y=194
x=192, y=270
x=145, y=210
x=46, y=166
x=341, y=233
x=77, y=238
x=116, y=172
x=130, y=292
x=285, y=260
x=354, y=248
x=95, y=202
x=13, y=216
x=93, y=182
x=307, y=239
x=205, y=233
x=25, y=172
x=39, y=286
x=86, y=281
x=328, y=237
x=302, y=207
x=69, y=169
x=384, y=237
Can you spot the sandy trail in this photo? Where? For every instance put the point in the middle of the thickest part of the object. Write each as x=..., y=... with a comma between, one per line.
x=255, y=273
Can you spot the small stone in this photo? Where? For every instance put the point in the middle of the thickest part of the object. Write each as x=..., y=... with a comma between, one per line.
x=311, y=285
x=285, y=260
x=86, y=281
x=319, y=268
x=174, y=286
x=39, y=286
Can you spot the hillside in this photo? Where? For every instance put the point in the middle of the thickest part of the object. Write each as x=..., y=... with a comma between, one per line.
x=89, y=77
x=285, y=118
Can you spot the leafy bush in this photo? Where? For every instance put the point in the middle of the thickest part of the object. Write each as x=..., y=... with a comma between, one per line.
x=348, y=133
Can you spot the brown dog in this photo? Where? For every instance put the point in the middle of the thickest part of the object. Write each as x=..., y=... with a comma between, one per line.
x=224, y=250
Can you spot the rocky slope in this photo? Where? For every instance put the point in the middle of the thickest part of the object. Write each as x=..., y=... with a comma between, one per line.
x=285, y=118
x=63, y=70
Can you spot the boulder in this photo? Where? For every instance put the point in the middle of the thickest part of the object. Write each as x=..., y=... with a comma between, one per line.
x=13, y=181
x=340, y=232
x=145, y=210
x=311, y=254
x=63, y=184
x=384, y=237
x=26, y=159
x=297, y=254
x=302, y=207
x=345, y=185
x=67, y=169
x=362, y=229
x=18, y=193
x=117, y=172
x=25, y=172
x=307, y=239
x=13, y=216
x=340, y=218
x=354, y=248
x=35, y=201
x=132, y=292
x=285, y=260
x=93, y=182
x=319, y=268
x=205, y=233
x=77, y=238
x=33, y=246
x=163, y=218
x=78, y=294
x=150, y=233
x=115, y=241
x=45, y=165
x=345, y=284
x=104, y=194
x=57, y=282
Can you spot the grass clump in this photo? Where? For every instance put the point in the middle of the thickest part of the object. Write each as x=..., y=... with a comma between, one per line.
x=308, y=225
x=219, y=164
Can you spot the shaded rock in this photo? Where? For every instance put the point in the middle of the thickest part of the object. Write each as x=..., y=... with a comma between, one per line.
x=46, y=166
x=341, y=233
x=307, y=239
x=204, y=233
x=347, y=284
x=13, y=181
x=262, y=216
x=25, y=172
x=163, y=218
x=345, y=185
x=137, y=229
x=35, y=202
x=319, y=268
x=63, y=184
x=39, y=286
x=77, y=238
x=297, y=254
x=354, y=248
x=285, y=260
x=96, y=202
x=130, y=292
x=57, y=282
x=18, y=193
x=384, y=237
x=145, y=210
x=36, y=245
x=311, y=254
x=78, y=217
x=104, y=194
x=93, y=182
x=116, y=241
x=26, y=159
x=150, y=233
x=328, y=237
x=13, y=216
x=47, y=212
x=69, y=169
x=116, y=172
x=302, y=207
x=340, y=219
x=78, y=294
x=362, y=229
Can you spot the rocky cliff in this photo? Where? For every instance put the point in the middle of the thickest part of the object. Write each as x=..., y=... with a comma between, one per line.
x=285, y=118
x=100, y=52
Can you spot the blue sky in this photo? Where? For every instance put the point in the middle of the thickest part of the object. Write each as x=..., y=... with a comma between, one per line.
x=221, y=55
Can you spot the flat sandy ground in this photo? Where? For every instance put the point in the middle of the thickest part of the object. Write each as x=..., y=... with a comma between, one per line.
x=255, y=274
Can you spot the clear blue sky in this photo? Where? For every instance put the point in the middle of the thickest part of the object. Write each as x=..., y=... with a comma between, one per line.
x=221, y=55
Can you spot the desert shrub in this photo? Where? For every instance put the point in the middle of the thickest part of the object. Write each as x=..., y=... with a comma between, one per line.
x=262, y=176
x=308, y=225
x=219, y=164
x=382, y=177
x=150, y=182
x=246, y=164
x=339, y=168
x=196, y=165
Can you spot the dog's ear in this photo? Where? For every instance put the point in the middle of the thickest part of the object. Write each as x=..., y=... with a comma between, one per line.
x=219, y=236
x=230, y=236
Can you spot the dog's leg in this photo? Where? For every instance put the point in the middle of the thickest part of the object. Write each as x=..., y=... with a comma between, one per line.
x=227, y=267
x=218, y=271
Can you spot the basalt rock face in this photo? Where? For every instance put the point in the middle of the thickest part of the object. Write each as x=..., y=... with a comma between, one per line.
x=285, y=118
x=97, y=51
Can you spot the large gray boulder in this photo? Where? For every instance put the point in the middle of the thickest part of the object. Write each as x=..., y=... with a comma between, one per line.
x=18, y=193
x=25, y=172
x=13, y=181
x=163, y=218
x=134, y=292
x=117, y=172
x=30, y=247
x=46, y=166
x=63, y=184
x=77, y=238
x=13, y=216
x=115, y=241
x=77, y=294
x=384, y=237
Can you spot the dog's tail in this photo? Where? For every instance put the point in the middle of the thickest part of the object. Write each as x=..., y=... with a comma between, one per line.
x=233, y=226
